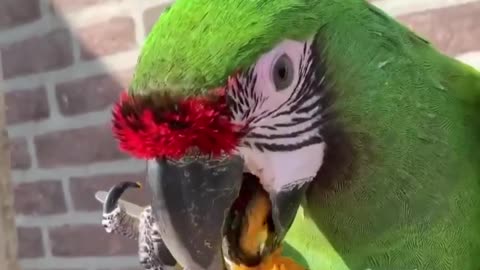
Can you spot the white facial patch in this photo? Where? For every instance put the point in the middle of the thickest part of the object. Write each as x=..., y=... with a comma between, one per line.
x=278, y=99
x=279, y=171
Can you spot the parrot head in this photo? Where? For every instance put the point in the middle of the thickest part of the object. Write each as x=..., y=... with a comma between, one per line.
x=229, y=99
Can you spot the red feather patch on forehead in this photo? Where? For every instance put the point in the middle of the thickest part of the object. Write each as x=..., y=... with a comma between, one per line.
x=146, y=130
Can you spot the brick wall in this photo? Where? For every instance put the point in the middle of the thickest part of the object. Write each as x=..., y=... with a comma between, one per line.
x=64, y=63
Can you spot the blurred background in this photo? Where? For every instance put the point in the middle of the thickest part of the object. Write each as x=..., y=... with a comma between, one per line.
x=64, y=62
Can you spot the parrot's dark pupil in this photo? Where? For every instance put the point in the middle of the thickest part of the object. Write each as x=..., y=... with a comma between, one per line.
x=282, y=74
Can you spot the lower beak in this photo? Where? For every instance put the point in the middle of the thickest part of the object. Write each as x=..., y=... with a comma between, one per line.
x=191, y=202
x=284, y=209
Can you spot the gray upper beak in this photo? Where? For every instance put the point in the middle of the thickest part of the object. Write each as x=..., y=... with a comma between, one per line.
x=191, y=202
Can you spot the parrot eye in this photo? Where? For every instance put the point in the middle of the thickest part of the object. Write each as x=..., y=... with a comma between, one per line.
x=282, y=74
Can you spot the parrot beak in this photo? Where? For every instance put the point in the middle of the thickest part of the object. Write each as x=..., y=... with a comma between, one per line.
x=191, y=201
x=285, y=205
x=206, y=208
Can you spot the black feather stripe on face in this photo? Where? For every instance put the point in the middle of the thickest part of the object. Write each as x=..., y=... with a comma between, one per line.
x=305, y=104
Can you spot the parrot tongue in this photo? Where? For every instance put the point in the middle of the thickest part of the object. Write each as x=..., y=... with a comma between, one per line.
x=192, y=200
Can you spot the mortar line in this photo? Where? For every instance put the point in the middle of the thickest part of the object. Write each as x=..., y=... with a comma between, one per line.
x=47, y=246
x=51, y=98
x=67, y=194
x=113, y=63
x=76, y=48
x=31, y=151
x=39, y=27
x=57, y=220
x=60, y=123
x=127, y=166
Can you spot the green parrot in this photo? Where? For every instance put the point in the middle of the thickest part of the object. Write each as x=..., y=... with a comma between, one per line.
x=363, y=136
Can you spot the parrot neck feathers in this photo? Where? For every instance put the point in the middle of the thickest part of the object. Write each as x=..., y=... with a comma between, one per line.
x=147, y=129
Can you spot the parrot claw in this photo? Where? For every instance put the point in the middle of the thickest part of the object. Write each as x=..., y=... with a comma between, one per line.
x=137, y=222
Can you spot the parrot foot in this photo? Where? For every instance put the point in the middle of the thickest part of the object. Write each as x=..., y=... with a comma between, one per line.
x=136, y=222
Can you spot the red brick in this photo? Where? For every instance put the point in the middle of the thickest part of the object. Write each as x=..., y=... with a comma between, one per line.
x=453, y=30
x=48, y=52
x=18, y=12
x=63, y=6
x=88, y=240
x=151, y=16
x=106, y=38
x=91, y=94
x=79, y=146
x=26, y=105
x=79, y=186
x=19, y=155
x=30, y=242
x=40, y=198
